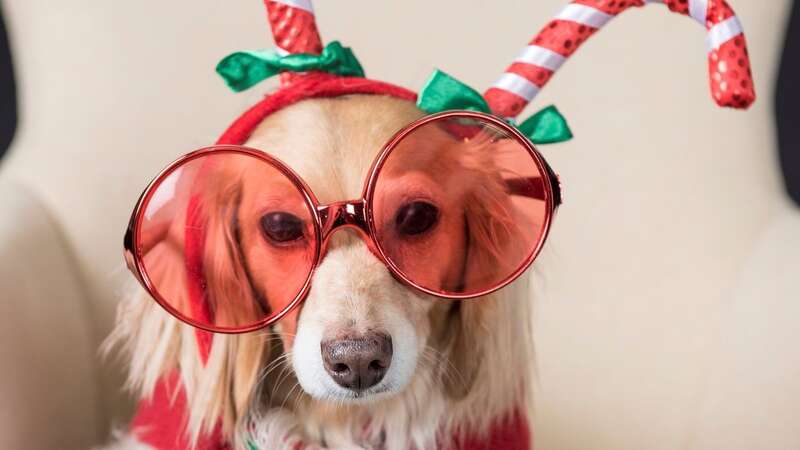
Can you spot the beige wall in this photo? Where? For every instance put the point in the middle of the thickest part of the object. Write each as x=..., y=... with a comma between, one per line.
x=671, y=204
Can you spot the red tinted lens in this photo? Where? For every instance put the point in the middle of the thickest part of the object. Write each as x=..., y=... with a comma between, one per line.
x=459, y=205
x=227, y=240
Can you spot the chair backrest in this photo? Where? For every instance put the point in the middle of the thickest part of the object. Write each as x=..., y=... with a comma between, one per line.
x=8, y=108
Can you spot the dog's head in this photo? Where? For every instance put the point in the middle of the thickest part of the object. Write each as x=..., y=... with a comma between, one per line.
x=442, y=209
x=362, y=338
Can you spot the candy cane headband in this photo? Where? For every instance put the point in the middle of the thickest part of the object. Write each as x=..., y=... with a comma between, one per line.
x=728, y=62
x=299, y=51
x=309, y=70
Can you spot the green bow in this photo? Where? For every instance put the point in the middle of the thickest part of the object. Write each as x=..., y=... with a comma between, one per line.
x=242, y=70
x=443, y=92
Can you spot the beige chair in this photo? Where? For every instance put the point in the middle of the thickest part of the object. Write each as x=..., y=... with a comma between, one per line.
x=669, y=314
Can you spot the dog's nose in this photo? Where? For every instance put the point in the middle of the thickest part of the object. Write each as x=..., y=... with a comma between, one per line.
x=358, y=362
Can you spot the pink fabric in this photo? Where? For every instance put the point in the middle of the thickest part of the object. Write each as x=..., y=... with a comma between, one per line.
x=161, y=423
x=161, y=420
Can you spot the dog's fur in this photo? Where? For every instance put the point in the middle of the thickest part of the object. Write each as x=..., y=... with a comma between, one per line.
x=457, y=365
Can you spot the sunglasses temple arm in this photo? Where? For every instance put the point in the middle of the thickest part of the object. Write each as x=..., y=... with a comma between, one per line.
x=532, y=187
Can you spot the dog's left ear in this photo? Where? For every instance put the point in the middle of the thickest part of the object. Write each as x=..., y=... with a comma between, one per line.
x=492, y=232
x=490, y=238
x=461, y=345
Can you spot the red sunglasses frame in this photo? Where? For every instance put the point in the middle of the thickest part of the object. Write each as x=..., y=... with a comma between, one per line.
x=355, y=214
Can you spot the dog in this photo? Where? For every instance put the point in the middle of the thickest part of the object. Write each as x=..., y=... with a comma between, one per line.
x=441, y=373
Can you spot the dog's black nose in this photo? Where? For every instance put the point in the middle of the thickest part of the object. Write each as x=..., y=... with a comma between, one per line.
x=358, y=362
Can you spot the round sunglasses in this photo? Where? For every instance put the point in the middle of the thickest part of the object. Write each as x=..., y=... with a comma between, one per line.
x=456, y=205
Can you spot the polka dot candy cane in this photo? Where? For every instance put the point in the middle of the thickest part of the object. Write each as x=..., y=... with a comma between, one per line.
x=728, y=62
x=294, y=29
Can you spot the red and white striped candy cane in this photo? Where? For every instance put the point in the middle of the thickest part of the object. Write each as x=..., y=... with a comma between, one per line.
x=294, y=29
x=728, y=62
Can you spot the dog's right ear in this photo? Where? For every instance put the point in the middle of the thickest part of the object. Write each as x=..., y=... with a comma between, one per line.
x=231, y=299
x=230, y=296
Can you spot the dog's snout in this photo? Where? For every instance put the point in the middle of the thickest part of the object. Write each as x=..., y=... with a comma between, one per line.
x=358, y=363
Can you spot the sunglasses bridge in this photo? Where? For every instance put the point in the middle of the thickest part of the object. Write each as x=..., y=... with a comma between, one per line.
x=348, y=214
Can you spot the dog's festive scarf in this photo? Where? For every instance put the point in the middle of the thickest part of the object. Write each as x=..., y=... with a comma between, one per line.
x=160, y=422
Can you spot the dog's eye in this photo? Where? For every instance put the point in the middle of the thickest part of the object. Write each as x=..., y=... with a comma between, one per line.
x=282, y=226
x=416, y=217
